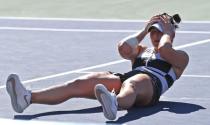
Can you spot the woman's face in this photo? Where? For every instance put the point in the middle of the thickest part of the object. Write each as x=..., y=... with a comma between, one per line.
x=155, y=36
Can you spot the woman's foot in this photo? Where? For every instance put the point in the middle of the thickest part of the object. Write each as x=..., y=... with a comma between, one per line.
x=108, y=101
x=20, y=97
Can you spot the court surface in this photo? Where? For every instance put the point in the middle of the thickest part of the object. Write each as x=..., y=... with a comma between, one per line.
x=51, y=51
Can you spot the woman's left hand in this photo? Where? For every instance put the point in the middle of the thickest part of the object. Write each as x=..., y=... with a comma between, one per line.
x=167, y=26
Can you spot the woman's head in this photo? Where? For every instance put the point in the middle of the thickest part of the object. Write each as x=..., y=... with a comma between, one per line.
x=158, y=28
x=155, y=36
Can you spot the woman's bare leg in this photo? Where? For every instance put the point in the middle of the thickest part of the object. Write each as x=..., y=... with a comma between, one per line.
x=80, y=87
x=137, y=89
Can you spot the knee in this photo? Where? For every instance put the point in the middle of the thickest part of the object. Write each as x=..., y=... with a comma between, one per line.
x=77, y=83
x=130, y=85
x=85, y=82
x=127, y=96
x=83, y=79
x=123, y=104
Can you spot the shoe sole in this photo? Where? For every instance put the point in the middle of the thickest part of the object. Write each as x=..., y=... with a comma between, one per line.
x=10, y=86
x=102, y=95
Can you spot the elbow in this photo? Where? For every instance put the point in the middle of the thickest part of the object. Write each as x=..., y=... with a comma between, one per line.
x=125, y=50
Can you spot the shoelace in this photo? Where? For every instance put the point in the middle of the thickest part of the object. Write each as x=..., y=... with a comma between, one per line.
x=114, y=94
x=113, y=91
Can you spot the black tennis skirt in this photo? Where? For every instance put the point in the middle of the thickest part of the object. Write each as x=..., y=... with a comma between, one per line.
x=156, y=83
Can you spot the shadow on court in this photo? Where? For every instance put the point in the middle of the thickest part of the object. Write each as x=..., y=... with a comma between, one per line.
x=132, y=114
x=173, y=107
x=81, y=111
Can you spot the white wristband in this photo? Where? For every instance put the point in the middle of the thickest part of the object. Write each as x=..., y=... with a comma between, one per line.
x=131, y=41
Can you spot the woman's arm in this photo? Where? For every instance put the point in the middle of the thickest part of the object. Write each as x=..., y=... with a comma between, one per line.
x=179, y=59
x=130, y=47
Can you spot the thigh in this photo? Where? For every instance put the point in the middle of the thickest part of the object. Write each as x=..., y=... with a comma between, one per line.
x=143, y=87
x=87, y=83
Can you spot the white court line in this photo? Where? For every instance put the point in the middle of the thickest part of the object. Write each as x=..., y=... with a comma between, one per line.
x=196, y=76
x=193, y=44
x=88, y=19
x=66, y=30
x=72, y=19
x=89, y=30
x=184, y=75
x=185, y=98
x=70, y=72
x=193, y=32
x=103, y=65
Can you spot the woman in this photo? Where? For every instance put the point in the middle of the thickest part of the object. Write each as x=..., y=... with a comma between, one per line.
x=154, y=70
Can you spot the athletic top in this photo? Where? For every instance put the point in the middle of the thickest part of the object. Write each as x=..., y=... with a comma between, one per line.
x=153, y=63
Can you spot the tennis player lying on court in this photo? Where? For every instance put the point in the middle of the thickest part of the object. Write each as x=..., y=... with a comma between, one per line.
x=154, y=70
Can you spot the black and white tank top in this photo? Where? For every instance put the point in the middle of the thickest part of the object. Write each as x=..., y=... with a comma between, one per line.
x=153, y=63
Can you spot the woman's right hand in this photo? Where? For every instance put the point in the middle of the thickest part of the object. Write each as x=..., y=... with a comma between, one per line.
x=153, y=20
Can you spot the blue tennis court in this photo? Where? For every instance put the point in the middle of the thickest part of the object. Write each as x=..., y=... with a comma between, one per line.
x=46, y=52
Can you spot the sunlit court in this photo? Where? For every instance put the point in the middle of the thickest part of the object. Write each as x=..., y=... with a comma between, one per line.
x=52, y=50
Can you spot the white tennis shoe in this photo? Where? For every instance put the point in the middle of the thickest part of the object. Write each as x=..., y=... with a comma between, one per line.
x=108, y=101
x=20, y=97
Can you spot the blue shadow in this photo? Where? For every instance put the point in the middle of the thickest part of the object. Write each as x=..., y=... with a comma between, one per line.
x=132, y=114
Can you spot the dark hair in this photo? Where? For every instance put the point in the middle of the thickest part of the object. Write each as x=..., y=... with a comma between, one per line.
x=175, y=19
